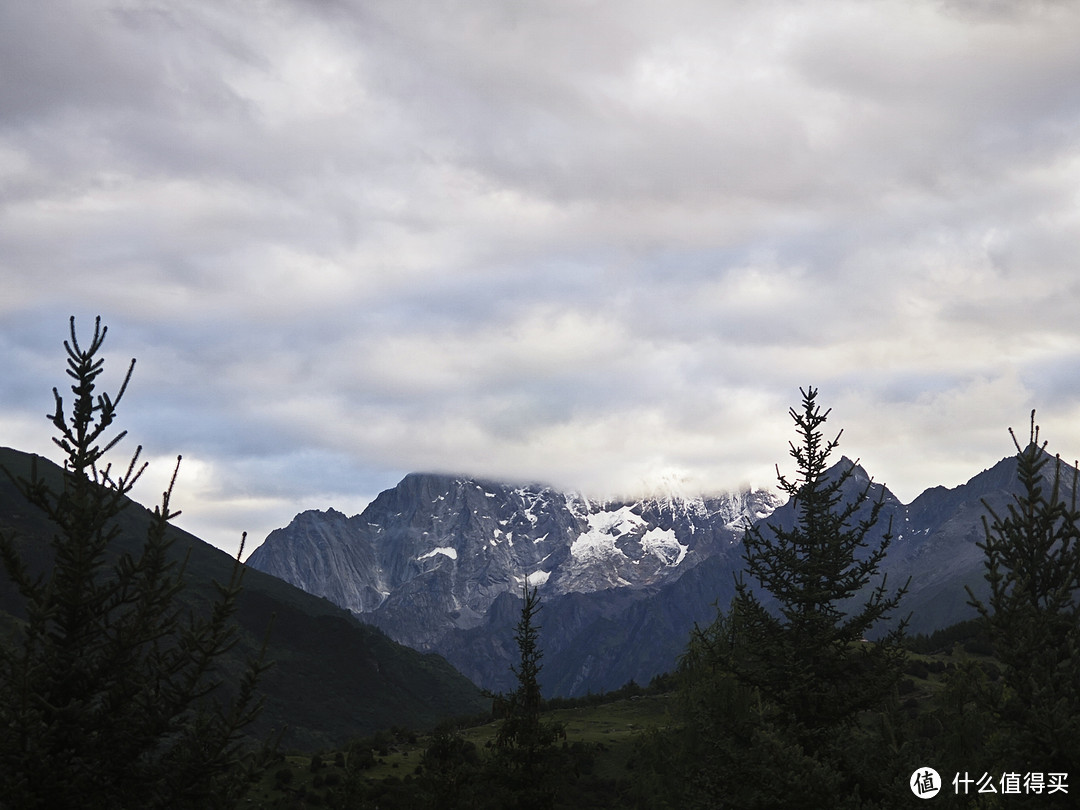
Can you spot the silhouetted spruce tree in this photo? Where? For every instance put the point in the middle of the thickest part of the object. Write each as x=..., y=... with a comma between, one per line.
x=1033, y=616
x=776, y=709
x=524, y=742
x=109, y=691
x=810, y=659
x=521, y=728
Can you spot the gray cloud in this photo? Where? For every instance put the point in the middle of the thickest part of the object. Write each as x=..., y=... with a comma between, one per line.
x=598, y=245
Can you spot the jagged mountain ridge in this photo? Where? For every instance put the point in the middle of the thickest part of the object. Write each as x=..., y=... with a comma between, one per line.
x=497, y=535
x=437, y=562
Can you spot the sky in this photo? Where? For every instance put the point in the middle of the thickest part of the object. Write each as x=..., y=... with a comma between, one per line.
x=598, y=245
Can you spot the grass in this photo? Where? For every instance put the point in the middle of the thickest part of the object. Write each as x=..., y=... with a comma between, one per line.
x=610, y=729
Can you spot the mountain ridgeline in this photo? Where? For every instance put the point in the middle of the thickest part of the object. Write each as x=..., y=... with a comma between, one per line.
x=332, y=677
x=438, y=563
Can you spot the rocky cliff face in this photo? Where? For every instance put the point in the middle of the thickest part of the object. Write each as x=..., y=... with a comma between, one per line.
x=438, y=563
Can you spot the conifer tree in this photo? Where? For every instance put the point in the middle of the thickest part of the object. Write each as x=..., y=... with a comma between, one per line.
x=109, y=693
x=524, y=742
x=809, y=659
x=770, y=701
x=1033, y=616
x=522, y=730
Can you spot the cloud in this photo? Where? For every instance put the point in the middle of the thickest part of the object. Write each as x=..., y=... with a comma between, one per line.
x=596, y=245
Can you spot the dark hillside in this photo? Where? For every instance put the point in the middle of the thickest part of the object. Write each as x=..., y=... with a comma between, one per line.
x=333, y=678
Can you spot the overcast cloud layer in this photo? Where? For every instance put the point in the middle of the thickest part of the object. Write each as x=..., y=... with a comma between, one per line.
x=595, y=244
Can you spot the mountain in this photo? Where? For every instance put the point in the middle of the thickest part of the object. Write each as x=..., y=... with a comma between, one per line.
x=933, y=546
x=936, y=544
x=438, y=562
x=334, y=678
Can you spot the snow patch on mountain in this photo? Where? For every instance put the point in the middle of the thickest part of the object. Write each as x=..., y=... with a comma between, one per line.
x=444, y=550
x=739, y=510
x=535, y=579
x=662, y=544
x=604, y=528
